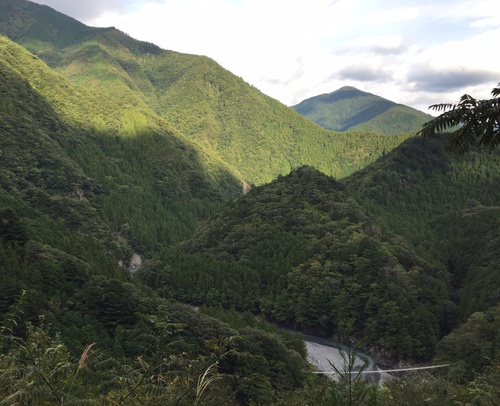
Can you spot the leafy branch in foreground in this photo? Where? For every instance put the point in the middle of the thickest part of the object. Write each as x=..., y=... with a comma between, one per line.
x=478, y=122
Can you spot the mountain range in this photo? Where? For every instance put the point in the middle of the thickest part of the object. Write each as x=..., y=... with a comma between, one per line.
x=113, y=149
x=258, y=137
x=350, y=109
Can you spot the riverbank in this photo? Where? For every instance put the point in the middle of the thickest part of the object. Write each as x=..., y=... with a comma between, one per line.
x=324, y=354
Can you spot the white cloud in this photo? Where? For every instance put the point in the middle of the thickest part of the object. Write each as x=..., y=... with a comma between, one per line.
x=85, y=10
x=292, y=49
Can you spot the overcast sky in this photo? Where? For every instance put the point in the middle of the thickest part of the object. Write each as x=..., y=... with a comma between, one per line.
x=417, y=53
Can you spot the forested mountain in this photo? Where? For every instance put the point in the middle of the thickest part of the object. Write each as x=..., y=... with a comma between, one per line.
x=350, y=109
x=296, y=247
x=65, y=188
x=111, y=146
x=302, y=251
x=405, y=250
x=255, y=135
x=447, y=207
x=150, y=179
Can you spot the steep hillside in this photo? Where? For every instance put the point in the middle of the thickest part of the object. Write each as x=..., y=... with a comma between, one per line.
x=255, y=135
x=310, y=252
x=153, y=184
x=76, y=197
x=447, y=206
x=350, y=109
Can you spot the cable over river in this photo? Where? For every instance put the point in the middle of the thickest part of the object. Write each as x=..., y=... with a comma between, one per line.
x=322, y=352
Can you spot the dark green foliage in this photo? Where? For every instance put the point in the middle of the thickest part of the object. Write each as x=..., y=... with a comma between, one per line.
x=11, y=230
x=122, y=147
x=447, y=207
x=415, y=390
x=173, y=355
x=472, y=347
x=474, y=122
x=301, y=251
x=349, y=109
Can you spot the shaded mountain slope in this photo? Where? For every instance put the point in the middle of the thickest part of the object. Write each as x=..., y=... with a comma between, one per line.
x=447, y=206
x=350, y=109
x=153, y=183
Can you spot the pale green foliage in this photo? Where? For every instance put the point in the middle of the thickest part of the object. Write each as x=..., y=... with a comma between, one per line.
x=37, y=370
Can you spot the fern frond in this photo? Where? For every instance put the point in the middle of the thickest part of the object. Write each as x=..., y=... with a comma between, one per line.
x=496, y=91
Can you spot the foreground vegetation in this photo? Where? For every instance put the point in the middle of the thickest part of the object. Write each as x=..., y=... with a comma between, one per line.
x=240, y=361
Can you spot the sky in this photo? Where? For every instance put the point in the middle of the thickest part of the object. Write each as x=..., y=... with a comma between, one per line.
x=416, y=53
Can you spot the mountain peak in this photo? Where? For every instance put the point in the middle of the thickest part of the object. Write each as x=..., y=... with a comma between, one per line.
x=347, y=88
x=351, y=109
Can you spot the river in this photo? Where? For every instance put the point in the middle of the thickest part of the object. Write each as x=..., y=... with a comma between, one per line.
x=322, y=351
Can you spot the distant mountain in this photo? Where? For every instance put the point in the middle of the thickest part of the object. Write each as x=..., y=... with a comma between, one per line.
x=350, y=109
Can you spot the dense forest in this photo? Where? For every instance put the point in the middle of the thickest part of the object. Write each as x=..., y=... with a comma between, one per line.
x=111, y=148
x=303, y=252
x=403, y=236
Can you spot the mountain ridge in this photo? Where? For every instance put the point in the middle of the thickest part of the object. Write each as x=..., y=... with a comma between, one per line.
x=220, y=112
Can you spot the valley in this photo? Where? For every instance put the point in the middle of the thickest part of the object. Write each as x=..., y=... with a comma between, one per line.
x=117, y=155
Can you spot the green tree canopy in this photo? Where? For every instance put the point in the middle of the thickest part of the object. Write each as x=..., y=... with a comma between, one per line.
x=474, y=122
